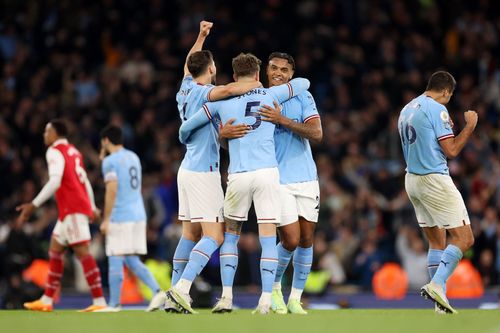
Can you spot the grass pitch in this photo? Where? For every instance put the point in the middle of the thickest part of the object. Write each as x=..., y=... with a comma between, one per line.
x=242, y=321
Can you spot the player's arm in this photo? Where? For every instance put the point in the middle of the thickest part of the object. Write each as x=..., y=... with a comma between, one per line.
x=232, y=89
x=111, y=188
x=55, y=163
x=309, y=129
x=452, y=146
x=200, y=118
x=295, y=87
x=205, y=27
x=90, y=193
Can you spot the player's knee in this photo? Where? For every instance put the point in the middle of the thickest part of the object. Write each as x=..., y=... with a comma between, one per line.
x=469, y=241
x=219, y=239
x=290, y=243
x=306, y=241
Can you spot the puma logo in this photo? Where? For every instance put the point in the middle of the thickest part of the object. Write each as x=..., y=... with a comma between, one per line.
x=445, y=263
x=268, y=270
x=232, y=266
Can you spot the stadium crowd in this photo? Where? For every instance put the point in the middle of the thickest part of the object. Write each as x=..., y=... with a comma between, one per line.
x=120, y=62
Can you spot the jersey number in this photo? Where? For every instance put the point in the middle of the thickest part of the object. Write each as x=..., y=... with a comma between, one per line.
x=184, y=108
x=250, y=113
x=408, y=134
x=80, y=172
x=134, y=179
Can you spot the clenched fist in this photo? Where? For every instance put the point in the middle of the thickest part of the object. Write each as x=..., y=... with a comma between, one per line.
x=205, y=27
x=471, y=118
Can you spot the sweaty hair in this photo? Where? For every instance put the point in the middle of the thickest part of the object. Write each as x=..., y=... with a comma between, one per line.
x=113, y=133
x=440, y=81
x=282, y=55
x=198, y=62
x=60, y=126
x=246, y=64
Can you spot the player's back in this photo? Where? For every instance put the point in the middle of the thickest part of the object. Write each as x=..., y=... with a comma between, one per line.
x=129, y=205
x=202, y=150
x=293, y=152
x=422, y=124
x=256, y=149
x=72, y=196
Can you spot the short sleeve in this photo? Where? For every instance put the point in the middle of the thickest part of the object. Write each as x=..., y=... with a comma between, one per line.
x=108, y=170
x=207, y=90
x=309, y=110
x=441, y=124
x=211, y=109
x=187, y=81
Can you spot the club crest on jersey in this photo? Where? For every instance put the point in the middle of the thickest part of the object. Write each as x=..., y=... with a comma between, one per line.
x=446, y=119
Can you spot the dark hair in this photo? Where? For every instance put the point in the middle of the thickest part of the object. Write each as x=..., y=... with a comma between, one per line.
x=198, y=62
x=246, y=64
x=440, y=81
x=282, y=55
x=60, y=126
x=112, y=133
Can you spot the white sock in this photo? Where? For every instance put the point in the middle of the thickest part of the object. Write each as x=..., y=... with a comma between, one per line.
x=277, y=286
x=183, y=286
x=295, y=294
x=46, y=300
x=100, y=301
x=265, y=298
x=227, y=292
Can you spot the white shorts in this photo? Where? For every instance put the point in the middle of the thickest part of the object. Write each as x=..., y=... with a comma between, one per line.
x=260, y=186
x=436, y=200
x=126, y=238
x=200, y=196
x=299, y=199
x=73, y=230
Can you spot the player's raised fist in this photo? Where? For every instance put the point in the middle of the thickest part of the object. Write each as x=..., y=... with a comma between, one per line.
x=205, y=27
x=470, y=118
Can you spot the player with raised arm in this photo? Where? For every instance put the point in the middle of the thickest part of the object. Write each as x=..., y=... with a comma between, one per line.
x=297, y=122
x=124, y=218
x=253, y=174
x=427, y=139
x=200, y=191
x=75, y=203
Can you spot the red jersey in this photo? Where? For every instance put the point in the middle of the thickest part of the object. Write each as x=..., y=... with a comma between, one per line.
x=72, y=196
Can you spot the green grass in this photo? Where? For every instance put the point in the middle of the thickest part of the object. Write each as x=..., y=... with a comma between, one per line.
x=242, y=321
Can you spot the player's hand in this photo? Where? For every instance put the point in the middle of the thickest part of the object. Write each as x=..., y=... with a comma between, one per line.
x=205, y=27
x=230, y=131
x=272, y=114
x=96, y=215
x=26, y=210
x=104, y=227
x=102, y=153
x=471, y=118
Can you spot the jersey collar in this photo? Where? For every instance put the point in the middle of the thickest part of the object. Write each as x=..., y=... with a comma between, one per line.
x=60, y=142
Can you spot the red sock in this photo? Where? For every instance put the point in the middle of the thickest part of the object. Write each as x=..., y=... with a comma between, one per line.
x=93, y=275
x=55, y=273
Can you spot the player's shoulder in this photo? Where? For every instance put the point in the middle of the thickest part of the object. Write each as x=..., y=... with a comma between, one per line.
x=432, y=107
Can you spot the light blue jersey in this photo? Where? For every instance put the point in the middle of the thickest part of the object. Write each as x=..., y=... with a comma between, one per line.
x=124, y=167
x=422, y=124
x=202, y=150
x=295, y=160
x=256, y=149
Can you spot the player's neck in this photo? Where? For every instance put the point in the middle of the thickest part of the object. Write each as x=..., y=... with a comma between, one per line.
x=434, y=95
x=114, y=148
x=204, y=79
x=246, y=79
